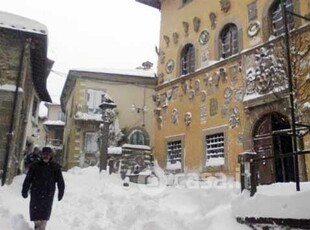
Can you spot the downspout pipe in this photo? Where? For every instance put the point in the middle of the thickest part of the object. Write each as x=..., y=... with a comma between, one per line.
x=12, y=121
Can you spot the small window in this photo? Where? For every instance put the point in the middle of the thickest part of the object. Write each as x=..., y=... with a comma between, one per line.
x=35, y=107
x=277, y=19
x=174, y=155
x=229, y=40
x=94, y=99
x=137, y=137
x=215, y=150
x=188, y=59
x=91, y=142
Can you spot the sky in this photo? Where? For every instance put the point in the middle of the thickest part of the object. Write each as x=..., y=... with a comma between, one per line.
x=106, y=34
x=98, y=201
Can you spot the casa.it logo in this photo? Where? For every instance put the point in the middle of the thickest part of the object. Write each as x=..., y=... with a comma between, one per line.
x=157, y=182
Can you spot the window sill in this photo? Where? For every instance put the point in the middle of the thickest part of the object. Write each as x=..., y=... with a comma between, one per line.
x=214, y=168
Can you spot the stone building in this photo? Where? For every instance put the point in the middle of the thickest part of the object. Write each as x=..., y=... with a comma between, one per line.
x=223, y=86
x=83, y=92
x=24, y=68
x=54, y=128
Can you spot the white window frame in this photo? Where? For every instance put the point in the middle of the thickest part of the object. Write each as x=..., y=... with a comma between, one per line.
x=174, y=155
x=93, y=100
x=215, y=146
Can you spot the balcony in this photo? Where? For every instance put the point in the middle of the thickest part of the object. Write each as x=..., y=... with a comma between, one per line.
x=54, y=143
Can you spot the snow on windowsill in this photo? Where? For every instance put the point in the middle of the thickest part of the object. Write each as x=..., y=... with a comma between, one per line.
x=177, y=165
x=216, y=161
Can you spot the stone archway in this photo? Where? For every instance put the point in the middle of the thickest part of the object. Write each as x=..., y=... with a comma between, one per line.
x=267, y=143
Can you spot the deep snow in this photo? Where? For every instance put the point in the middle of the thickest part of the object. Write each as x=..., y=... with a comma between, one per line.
x=98, y=201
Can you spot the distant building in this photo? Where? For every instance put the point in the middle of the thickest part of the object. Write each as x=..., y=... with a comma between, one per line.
x=24, y=68
x=131, y=90
x=223, y=86
x=54, y=128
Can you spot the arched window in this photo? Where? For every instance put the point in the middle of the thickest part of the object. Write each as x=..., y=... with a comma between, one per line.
x=137, y=137
x=188, y=59
x=229, y=40
x=277, y=26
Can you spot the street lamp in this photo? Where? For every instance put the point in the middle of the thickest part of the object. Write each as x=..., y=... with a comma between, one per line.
x=108, y=114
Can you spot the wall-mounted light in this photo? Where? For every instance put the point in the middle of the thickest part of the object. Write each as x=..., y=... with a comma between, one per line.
x=138, y=109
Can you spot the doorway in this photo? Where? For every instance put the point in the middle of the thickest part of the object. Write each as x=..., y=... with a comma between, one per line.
x=267, y=144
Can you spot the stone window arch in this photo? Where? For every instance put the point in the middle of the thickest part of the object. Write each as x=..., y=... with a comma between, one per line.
x=229, y=41
x=187, y=59
x=138, y=137
x=276, y=19
x=272, y=9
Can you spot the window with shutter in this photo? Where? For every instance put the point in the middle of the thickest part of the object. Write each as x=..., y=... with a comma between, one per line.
x=137, y=137
x=94, y=99
x=174, y=155
x=277, y=19
x=215, y=150
x=229, y=40
x=188, y=59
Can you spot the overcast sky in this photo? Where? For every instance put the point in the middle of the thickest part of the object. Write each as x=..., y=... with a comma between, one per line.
x=92, y=34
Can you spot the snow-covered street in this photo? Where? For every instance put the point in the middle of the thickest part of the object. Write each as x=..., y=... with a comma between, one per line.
x=97, y=201
x=100, y=201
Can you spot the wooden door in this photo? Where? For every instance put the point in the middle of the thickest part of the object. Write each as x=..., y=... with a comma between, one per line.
x=263, y=146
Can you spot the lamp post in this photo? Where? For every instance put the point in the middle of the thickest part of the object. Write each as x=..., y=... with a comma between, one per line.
x=108, y=114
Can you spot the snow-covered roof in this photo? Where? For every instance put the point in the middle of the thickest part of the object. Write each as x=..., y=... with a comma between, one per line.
x=50, y=122
x=152, y=3
x=16, y=22
x=127, y=72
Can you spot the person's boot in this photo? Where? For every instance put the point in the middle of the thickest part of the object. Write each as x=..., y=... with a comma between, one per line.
x=36, y=225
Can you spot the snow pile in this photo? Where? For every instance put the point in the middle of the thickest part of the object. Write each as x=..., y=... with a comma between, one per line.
x=98, y=201
x=278, y=200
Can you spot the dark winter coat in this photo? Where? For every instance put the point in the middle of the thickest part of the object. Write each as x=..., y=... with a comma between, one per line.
x=41, y=180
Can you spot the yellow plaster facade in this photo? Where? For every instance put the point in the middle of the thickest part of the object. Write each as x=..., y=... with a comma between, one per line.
x=219, y=94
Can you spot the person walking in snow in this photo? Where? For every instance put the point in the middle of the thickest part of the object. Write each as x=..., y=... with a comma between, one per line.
x=41, y=179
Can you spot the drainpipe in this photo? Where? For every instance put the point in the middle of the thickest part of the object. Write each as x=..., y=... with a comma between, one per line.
x=12, y=121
